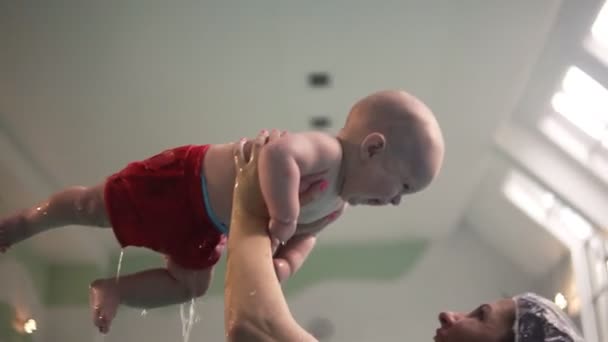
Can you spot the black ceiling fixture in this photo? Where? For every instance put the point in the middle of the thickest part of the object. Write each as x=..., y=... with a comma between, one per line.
x=319, y=79
x=320, y=122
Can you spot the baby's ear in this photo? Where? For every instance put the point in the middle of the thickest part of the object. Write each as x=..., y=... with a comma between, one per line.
x=373, y=144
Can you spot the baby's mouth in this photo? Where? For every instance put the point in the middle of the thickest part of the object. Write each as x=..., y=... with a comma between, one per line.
x=375, y=201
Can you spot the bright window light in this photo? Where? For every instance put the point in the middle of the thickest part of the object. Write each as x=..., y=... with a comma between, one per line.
x=543, y=207
x=563, y=136
x=598, y=163
x=600, y=279
x=561, y=301
x=547, y=200
x=29, y=326
x=527, y=196
x=584, y=102
x=598, y=263
x=599, y=30
x=575, y=224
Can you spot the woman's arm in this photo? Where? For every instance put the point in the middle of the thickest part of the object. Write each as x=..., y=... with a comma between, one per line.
x=255, y=306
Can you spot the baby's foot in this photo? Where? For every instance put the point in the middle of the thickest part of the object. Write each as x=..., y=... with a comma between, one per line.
x=12, y=230
x=104, y=300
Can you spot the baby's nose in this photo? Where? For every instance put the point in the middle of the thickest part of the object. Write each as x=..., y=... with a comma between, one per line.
x=396, y=200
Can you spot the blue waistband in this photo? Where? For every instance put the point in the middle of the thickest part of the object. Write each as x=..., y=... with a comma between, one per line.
x=222, y=228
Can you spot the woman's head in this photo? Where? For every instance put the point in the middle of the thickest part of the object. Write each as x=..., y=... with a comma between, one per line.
x=491, y=322
x=524, y=318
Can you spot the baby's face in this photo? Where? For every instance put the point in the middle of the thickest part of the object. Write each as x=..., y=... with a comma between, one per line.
x=377, y=183
x=386, y=179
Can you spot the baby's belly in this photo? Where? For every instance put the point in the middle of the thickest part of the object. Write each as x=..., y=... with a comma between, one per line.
x=319, y=208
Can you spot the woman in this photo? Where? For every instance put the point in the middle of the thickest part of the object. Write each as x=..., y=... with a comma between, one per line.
x=524, y=318
x=256, y=309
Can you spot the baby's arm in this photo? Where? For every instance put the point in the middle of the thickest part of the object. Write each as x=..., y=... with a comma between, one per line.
x=282, y=163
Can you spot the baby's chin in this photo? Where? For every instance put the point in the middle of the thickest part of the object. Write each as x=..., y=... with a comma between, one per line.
x=364, y=201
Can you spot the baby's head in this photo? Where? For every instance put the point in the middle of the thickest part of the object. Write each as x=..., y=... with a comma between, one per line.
x=392, y=146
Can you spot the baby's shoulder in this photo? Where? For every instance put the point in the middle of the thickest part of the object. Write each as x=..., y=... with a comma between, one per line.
x=315, y=150
x=314, y=136
x=320, y=142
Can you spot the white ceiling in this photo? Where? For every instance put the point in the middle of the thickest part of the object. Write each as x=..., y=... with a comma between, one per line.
x=88, y=87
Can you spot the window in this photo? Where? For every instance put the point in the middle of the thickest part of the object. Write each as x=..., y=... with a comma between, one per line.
x=546, y=209
x=578, y=116
x=572, y=229
x=578, y=120
x=583, y=102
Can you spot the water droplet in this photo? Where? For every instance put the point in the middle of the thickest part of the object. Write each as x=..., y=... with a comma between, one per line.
x=122, y=252
x=144, y=313
x=41, y=208
x=187, y=322
x=252, y=293
x=200, y=246
x=231, y=325
x=282, y=243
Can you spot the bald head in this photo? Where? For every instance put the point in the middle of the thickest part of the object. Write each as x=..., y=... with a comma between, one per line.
x=407, y=125
x=383, y=110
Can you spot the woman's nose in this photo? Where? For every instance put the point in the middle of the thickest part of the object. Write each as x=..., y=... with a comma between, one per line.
x=447, y=319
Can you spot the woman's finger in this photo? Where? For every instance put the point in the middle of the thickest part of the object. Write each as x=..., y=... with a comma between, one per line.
x=238, y=155
x=258, y=143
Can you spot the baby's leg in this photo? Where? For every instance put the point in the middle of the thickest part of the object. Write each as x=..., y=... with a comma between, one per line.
x=146, y=290
x=76, y=205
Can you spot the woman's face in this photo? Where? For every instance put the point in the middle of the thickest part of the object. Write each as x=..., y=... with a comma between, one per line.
x=488, y=323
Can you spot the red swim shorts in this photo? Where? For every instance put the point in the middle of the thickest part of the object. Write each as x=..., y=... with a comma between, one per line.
x=157, y=203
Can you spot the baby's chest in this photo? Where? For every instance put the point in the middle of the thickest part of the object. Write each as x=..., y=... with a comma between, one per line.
x=328, y=203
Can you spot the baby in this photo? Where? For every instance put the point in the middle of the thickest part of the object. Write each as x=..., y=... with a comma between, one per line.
x=178, y=202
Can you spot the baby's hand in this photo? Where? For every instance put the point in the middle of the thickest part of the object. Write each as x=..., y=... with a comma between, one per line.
x=280, y=232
